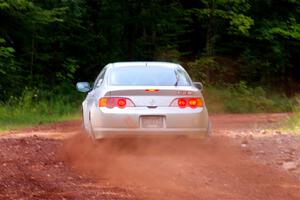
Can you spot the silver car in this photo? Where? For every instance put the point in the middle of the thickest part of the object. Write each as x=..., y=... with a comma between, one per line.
x=144, y=98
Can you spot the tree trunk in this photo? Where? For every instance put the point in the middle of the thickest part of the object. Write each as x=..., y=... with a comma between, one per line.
x=32, y=57
x=210, y=29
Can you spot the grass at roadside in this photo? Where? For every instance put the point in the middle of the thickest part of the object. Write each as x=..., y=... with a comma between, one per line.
x=243, y=99
x=30, y=110
x=293, y=123
x=34, y=108
x=12, y=118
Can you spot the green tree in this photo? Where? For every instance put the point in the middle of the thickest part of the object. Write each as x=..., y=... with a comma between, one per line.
x=22, y=23
x=219, y=15
x=275, y=41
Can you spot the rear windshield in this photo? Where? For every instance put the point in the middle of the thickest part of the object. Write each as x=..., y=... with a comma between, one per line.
x=154, y=76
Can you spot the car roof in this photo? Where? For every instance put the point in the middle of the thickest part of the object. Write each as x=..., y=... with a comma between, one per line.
x=148, y=64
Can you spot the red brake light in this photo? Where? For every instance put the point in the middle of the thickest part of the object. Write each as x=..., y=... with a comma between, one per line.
x=121, y=103
x=111, y=102
x=182, y=103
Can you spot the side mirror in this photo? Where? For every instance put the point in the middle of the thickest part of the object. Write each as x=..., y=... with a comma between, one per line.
x=83, y=86
x=198, y=85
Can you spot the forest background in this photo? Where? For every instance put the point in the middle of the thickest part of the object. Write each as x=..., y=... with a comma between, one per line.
x=246, y=52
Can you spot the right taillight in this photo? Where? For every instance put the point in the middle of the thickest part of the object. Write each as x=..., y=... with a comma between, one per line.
x=187, y=102
x=111, y=102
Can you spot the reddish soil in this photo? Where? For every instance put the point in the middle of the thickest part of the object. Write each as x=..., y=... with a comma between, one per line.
x=242, y=160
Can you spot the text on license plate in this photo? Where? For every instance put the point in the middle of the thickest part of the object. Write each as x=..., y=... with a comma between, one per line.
x=152, y=122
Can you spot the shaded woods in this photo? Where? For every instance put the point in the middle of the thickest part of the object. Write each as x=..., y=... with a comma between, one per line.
x=50, y=44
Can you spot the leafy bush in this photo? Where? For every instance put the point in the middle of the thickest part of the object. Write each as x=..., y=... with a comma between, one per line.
x=240, y=98
x=201, y=68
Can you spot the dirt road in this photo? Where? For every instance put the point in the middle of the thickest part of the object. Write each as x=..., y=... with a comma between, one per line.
x=242, y=160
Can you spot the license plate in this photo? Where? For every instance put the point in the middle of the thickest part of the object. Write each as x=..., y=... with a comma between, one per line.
x=152, y=122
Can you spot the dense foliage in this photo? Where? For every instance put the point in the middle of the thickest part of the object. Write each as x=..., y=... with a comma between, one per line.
x=50, y=44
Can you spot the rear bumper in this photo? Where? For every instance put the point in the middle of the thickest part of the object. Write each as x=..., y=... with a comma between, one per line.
x=117, y=122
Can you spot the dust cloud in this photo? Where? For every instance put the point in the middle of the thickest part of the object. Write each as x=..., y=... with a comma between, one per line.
x=153, y=168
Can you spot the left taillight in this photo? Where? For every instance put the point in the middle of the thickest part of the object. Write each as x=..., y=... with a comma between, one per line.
x=112, y=102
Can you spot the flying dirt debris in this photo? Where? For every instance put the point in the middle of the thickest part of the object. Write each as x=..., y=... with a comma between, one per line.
x=70, y=166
